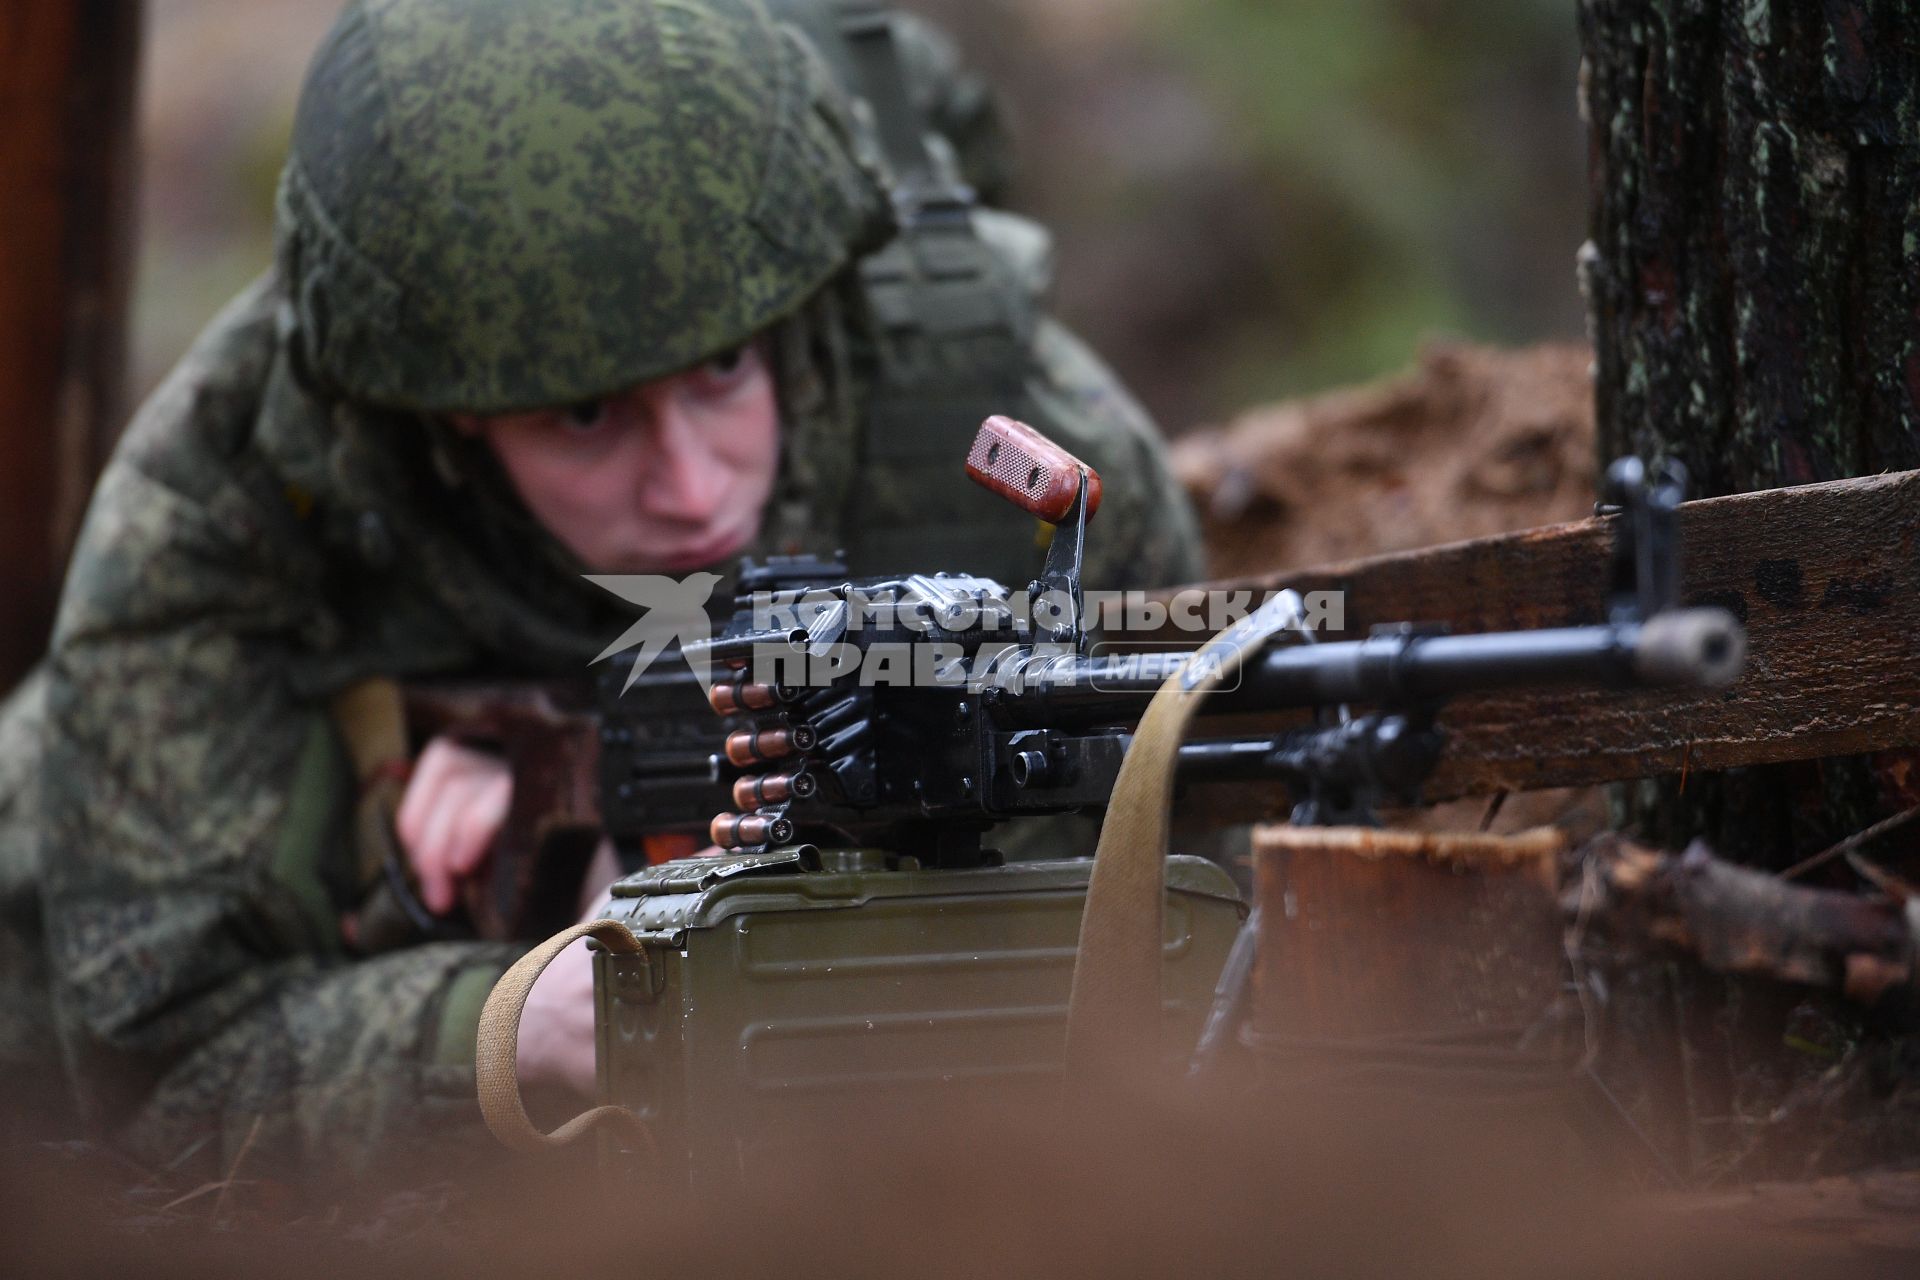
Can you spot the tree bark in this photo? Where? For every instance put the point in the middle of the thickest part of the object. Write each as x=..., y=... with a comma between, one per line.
x=1753, y=280
x=67, y=77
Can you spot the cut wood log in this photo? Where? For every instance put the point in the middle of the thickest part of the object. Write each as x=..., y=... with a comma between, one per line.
x=1456, y=852
x=1397, y=936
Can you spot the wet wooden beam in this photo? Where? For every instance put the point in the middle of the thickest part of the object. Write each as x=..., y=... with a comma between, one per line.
x=1826, y=578
x=67, y=78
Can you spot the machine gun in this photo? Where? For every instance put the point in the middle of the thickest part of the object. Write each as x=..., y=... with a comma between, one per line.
x=910, y=715
x=856, y=942
x=907, y=717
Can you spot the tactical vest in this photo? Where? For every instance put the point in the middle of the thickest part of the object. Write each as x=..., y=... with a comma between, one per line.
x=952, y=301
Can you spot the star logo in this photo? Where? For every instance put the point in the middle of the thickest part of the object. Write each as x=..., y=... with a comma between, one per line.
x=676, y=613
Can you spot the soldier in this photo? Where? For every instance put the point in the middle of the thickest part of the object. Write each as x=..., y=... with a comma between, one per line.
x=562, y=286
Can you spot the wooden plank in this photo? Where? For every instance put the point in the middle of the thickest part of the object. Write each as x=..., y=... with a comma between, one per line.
x=66, y=144
x=1826, y=578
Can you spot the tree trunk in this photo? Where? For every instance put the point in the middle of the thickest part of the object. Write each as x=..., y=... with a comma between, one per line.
x=1753, y=280
x=67, y=73
x=1754, y=286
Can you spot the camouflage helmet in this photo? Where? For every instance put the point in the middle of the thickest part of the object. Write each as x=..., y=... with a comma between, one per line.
x=493, y=205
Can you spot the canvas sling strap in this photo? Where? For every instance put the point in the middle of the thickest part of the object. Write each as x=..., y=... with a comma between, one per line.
x=1115, y=1005
x=372, y=725
x=371, y=719
x=497, y=1055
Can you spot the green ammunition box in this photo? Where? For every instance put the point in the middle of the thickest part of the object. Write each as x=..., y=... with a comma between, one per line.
x=780, y=1003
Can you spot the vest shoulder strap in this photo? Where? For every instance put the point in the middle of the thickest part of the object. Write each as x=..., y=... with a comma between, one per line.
x=952, y=301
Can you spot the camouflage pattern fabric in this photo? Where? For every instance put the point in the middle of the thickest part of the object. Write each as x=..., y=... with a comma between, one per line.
x=193, y=795
x=251, y=551
x=488, y=202
x=959, y=105
x=258, y=544
x=26, y=1018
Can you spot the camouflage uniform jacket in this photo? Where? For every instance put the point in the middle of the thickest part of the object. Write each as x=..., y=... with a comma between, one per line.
x=250, y=551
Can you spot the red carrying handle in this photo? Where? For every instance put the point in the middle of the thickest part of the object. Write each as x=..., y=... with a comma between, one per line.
x=1030, y=471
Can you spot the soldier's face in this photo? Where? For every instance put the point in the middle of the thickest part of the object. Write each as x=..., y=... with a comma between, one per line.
x=668, y=476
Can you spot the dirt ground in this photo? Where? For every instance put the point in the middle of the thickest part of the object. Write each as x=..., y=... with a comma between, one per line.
x=1472, y=441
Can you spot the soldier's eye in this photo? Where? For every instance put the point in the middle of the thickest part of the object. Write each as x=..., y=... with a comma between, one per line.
x=727, y=363
x=586, y=415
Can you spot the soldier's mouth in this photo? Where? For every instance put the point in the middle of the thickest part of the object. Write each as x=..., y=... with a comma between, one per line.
x=710, y=551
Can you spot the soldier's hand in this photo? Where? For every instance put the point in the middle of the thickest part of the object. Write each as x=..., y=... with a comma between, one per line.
x=556, y=1027
x=454, y=807
x=599, y=877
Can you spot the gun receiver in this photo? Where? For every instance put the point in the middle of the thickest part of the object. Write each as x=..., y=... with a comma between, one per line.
x=911, y=715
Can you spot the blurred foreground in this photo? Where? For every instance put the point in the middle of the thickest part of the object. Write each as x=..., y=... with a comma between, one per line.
x=1275, y=1179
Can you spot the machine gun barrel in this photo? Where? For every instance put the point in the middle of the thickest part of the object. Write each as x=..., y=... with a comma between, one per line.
x=1682, y=647
x=1689, y=647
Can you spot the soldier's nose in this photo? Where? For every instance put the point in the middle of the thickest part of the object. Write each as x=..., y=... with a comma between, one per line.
x=684, y=478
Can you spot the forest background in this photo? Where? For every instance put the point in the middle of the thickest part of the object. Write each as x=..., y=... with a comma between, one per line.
x=1253, y=199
